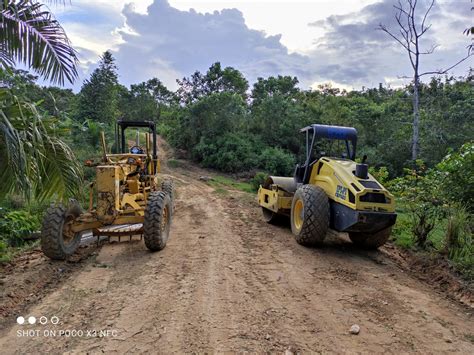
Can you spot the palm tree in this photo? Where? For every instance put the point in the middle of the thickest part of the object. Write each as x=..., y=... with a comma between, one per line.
x=30, y=34
x=34, y=161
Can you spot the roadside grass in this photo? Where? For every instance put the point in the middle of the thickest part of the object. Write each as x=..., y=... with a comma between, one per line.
x=174, y=163
x=7, y=253
x=469, y=337
x=221, y=191
x=222, y=182
x=461, y=256
x=403, y=235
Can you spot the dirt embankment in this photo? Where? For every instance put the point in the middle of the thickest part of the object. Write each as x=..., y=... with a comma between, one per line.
x=229, y=282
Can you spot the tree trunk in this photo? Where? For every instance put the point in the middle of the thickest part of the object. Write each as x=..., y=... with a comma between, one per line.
x=416, y=118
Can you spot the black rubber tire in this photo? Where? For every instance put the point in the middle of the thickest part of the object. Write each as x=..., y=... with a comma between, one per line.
x=167, y=186
x=371, y=241
x=315, y=215
x=270, y=216
x=157, y=212
x=52, y=239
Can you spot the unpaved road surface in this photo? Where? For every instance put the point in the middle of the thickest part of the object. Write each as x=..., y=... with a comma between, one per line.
x=229, y=282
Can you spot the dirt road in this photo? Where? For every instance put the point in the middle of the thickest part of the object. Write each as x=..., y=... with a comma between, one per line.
x=229, y=282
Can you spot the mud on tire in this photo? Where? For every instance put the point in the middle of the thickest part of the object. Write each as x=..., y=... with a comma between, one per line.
x=156, y=226
x=311, y=227
x=371, y=241
x=54, y=244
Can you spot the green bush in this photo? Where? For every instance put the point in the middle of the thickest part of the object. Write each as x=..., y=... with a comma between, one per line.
x=402, y=231
x=456, y=174
x=458, y=241
x=380, y=174
x=4, y=254
x=230, y=153
x=258, y=180
x=16, y=225
x=277, y=161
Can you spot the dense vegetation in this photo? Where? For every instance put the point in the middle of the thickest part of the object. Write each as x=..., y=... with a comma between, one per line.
x=218, y=120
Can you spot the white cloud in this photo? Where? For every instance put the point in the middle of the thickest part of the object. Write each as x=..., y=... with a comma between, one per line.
x=187, y=41
x=260, y=38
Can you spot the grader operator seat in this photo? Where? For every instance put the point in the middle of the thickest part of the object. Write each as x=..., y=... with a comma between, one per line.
x=316, y=132
x=122, y=145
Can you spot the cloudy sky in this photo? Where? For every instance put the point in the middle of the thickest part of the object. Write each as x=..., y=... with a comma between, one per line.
x=319, y=41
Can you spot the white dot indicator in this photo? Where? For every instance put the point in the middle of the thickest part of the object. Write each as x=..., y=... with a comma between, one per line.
x=54, y=320
x=20, y=320
x=32, y=320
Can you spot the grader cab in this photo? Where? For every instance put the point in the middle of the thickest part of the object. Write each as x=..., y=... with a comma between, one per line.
x=131, y=199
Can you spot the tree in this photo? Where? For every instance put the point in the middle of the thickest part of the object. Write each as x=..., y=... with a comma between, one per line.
x=284, y=86
x=30, y=34
x=412, y=29
x=215, y=80
x=276, y=112
x=145, y=100
x=34, y=160
x=98, y=99
x=470, y=32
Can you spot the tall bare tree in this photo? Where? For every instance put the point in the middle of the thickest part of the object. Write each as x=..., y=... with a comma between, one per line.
x=412, y=27
x=470, y=32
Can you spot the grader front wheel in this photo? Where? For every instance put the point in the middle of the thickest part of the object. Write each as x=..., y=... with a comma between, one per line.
x=156, y=227
x=58, y=241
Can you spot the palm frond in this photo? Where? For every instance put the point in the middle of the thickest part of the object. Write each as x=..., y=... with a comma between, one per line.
x=5, y=59
x=12, y=156
x=30, y=34
x=34, y=160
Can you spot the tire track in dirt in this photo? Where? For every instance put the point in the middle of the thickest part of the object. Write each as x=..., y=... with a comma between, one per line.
x=229, y=282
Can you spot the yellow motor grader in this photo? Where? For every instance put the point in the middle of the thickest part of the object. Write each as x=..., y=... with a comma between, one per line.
x=330, y=191
x=131, y=199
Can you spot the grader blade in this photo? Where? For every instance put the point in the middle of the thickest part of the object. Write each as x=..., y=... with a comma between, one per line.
x=119, y=231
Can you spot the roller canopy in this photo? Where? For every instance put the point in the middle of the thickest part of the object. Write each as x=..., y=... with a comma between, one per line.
x=332, y=132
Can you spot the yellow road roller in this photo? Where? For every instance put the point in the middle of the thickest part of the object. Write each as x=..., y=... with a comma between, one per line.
x=330, y=190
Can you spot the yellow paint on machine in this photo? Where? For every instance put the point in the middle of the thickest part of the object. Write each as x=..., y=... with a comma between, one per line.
x=331, y=173
x=275, y=200
x=336, y=177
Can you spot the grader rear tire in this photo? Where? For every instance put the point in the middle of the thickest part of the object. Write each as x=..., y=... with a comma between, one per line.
x=57, y=240
x=371, y=241
x=310, y=215
x=156, y=226
x=167, y=186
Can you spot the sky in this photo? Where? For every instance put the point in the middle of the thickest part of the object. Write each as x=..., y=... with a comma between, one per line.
x=319, y=41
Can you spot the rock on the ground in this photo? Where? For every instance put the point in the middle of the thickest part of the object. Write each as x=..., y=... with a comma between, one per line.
x=355, y=329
